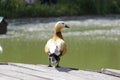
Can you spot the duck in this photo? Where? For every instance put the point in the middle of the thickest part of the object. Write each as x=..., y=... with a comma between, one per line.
x=56, y=46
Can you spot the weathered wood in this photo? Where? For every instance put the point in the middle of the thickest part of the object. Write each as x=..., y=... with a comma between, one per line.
x=18, y=71
x=112, y=72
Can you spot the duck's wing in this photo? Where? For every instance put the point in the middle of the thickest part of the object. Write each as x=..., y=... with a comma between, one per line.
x=47, y=47
x=62, y=47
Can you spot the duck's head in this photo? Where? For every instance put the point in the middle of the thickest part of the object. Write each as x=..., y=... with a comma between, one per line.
x=60, y=25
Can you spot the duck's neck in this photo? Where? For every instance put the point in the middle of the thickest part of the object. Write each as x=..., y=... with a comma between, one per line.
x=58, y=35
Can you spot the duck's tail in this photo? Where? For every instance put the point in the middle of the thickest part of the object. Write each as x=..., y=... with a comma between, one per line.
x=54, y=53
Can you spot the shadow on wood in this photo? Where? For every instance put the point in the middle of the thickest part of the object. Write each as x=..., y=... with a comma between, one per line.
x=65, y=69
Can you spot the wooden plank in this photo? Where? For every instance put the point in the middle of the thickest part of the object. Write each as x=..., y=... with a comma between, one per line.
x=18, y=71
x=48, y=72
x=112, y=72
x=19, y=75
x=72, y=74
x=6, y=77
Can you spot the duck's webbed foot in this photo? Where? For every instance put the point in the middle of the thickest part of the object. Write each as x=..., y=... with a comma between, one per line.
x=57, y=66
x=49, y=66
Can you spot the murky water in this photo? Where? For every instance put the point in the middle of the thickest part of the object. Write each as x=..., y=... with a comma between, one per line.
x=29, y=36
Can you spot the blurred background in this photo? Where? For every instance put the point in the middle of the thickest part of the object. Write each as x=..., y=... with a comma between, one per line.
x=92, y=40
x=48, y=8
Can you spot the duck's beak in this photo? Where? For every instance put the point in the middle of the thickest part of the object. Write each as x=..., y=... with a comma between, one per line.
x=67, y=26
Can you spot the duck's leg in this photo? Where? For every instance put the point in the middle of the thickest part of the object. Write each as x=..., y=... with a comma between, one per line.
x=49, y=63
x=58, y=64
x=59, y=59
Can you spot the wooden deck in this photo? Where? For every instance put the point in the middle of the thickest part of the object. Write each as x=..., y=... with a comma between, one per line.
x=18, y=71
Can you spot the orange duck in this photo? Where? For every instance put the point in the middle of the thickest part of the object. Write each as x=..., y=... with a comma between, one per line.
x=56, y=46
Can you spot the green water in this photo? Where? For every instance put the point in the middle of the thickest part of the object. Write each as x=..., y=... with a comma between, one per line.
x=93, y=54
x=88, y=48
x=83, y=54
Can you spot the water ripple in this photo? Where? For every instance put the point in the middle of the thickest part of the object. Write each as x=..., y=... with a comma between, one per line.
x=35, y=29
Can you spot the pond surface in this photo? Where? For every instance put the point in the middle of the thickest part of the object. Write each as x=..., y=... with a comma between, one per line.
x=93, y=42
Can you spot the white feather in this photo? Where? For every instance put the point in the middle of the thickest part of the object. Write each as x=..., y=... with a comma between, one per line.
x=53, y=47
